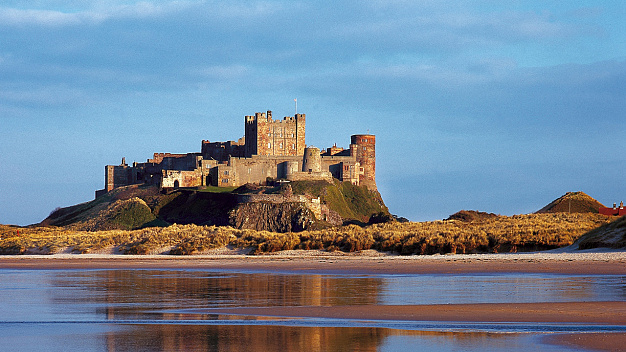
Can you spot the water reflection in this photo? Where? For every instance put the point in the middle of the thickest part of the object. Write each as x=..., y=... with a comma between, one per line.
x=285, y=338
x=143, y=310
x=125, y=290
x=174, y=337
x=501, y=288
x=245, y=338
x=128, y=294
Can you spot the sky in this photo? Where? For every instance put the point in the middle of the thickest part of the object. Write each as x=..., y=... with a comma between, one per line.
x=489, y=105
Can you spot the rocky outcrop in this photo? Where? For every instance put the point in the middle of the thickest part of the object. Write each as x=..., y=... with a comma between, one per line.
x=281, y=217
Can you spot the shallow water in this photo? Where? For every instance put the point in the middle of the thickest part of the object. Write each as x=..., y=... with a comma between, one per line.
x=149, y=310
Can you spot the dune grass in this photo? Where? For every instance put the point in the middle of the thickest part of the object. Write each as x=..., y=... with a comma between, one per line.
x=490, y=235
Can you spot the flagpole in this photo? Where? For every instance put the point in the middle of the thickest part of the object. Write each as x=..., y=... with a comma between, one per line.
x=296, y=101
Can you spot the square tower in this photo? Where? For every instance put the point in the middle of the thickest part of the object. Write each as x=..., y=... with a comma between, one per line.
x=265, y=136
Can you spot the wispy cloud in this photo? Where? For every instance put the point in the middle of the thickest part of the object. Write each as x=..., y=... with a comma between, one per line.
x=54, y=18
x=13, y=17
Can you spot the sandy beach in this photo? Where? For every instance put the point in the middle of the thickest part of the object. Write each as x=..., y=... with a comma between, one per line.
x=368, y=262
x=579, y=263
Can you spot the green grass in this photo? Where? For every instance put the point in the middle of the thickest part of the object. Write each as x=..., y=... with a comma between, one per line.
x=132, y=216
x=350, y=201
x=214, y=189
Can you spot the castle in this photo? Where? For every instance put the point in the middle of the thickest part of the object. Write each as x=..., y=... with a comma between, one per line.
x=270, y=150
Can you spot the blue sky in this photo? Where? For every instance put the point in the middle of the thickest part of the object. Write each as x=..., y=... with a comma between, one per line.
x=498, y=106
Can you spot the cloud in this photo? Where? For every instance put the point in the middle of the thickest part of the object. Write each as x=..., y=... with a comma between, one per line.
x=460, y=88
x=16, y=17
x=403, y=52
x=55, y=18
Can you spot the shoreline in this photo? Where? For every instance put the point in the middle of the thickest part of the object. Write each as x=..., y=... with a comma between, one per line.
x=374, y=263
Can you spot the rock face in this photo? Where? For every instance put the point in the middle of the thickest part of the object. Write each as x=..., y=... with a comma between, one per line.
x=572, y=202
x=284, y=217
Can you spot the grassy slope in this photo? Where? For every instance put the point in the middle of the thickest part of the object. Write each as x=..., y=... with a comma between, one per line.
x=350, y=201
x=143, y=206
x=134, y=207
x=575, y=202
x=612, y=235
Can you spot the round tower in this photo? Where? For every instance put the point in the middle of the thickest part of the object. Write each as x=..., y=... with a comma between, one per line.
x=312, y=161
x=365, y=149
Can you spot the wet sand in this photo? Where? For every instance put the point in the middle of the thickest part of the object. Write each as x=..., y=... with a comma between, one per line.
x=604, y=313
x=595, y=342
x=608, y=313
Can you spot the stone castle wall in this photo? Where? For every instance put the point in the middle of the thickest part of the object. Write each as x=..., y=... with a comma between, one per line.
x=118, y=175
x=270, y=149
x=176, y=178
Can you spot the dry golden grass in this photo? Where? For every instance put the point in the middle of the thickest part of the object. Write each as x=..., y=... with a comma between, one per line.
x=183, y=239
x=496, y=234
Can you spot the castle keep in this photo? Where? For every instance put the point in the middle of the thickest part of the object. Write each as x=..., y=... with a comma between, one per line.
x=270, y=150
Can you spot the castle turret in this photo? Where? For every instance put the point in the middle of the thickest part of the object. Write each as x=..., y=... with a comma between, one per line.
x=312, y=161
x=364, y=147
